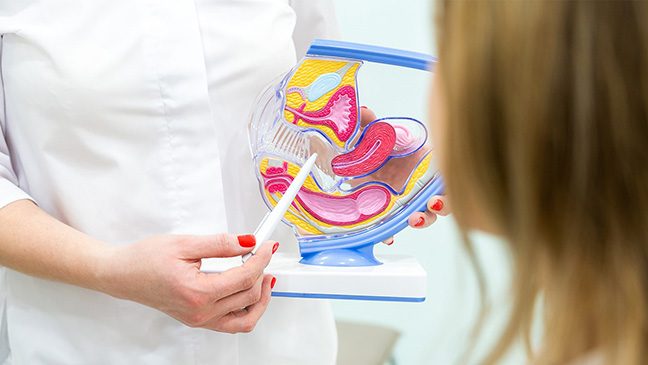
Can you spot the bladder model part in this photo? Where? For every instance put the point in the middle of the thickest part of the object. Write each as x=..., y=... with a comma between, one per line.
x=368, y=178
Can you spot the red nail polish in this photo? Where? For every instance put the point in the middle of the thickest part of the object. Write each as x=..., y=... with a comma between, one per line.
x=363, y=107
x=390, y=242
x=247, y=240
x=273, y=282
x=420, y=222
x=275, y=247
x=438, y=205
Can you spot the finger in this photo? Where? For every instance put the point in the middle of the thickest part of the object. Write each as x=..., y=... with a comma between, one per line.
x=241, y=277
x=389, y=241
x=218, y=245
x=240, y=300
x=421, y=220
x=245, y=320
x=366, y=116
x=438, y=205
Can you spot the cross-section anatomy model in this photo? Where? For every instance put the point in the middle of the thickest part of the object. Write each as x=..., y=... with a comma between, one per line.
x=368, y=177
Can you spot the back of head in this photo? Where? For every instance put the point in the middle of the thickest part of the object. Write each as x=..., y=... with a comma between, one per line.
x=547, y=134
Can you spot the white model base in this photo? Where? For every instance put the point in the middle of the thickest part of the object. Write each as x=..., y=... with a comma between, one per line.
x=398, y=279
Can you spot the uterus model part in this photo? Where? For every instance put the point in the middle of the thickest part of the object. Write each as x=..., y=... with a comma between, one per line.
x=369, y=176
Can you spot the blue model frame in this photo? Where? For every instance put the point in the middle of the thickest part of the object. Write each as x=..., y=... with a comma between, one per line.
x=364, y=52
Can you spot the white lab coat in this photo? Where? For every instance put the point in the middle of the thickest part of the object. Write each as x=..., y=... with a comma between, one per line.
x=127, y=118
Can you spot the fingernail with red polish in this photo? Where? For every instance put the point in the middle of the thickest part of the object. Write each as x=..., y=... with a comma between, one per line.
x=363, y=107
x=390, y=242
x=246, y=240
x=420, y=222
x=275, y=247
x=438, y=205
x=273, y=282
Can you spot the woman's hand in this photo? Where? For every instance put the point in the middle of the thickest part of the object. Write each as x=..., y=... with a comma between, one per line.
x=436, y=206
x=396, y=172
x=163, y=272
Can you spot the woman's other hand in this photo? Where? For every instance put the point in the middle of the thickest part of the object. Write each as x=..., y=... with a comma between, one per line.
x=396, y=173
x=163, y=272
x=437, y=205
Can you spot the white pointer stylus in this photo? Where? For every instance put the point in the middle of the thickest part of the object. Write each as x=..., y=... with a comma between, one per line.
x=268, y=224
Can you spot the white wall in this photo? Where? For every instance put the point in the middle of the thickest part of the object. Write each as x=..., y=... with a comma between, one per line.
x=437, y=331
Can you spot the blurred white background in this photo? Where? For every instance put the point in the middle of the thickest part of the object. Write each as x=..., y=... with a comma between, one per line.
x=437, y=331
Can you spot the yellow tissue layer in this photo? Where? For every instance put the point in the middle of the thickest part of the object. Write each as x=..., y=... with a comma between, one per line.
x=307, y=72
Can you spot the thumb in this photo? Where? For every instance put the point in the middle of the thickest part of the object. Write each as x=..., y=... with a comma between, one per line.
x=218, y=245
x=366, y=116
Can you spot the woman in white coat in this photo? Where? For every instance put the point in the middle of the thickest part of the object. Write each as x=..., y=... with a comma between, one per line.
x=123, y=156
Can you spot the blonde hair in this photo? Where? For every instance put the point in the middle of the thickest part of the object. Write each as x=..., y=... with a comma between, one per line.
x=547, y=133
